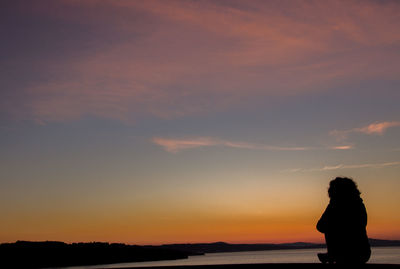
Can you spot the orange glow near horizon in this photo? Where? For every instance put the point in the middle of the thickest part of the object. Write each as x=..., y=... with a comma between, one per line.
x=151, y=122
x=156, y=226
x=254, y=231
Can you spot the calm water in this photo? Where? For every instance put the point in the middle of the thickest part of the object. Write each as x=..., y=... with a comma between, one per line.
x=379, y=255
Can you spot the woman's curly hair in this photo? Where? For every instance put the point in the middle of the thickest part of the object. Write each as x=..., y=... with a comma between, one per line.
x=343, y=188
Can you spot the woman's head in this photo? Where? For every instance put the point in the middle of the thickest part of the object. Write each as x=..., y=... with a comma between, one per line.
x=343, y=188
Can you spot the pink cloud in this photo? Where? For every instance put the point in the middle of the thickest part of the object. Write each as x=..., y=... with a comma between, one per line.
x=377, y=128
x=176, y=145
x=343, y=147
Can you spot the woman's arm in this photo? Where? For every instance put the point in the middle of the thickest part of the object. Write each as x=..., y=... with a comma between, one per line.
x=322, y=224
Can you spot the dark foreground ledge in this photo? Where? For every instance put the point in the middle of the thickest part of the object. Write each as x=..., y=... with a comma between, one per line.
x=270, y=266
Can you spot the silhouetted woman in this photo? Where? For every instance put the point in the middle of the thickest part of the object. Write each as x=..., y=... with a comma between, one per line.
x=344, y=224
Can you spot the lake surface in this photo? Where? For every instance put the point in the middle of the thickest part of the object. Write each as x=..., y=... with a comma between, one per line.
x=379, y=255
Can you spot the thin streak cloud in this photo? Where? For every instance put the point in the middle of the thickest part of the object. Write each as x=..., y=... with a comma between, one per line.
x=176, y=145
x=344, y=166
x=342, y=147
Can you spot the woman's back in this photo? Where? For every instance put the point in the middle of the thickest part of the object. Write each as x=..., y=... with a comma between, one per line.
x=344, y=223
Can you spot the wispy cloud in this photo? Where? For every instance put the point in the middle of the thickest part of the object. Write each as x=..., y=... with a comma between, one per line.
x=176, y=145
x=342, y=147
x=344, y=166
x=178, y=58
x=376, y=128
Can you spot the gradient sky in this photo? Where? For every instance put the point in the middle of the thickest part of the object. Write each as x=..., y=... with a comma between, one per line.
x=153, y=122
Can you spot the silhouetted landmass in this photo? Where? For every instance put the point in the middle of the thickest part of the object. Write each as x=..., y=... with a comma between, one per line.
x=23, y=254
x=226, y=247
x=384, y=243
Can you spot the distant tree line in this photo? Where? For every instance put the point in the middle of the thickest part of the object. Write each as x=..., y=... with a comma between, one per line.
x=24, y=254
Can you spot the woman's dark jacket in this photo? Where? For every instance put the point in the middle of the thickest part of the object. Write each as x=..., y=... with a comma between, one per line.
x=344, y=225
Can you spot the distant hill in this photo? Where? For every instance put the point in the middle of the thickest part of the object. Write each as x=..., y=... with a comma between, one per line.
x=384, y=243
x=226, y=247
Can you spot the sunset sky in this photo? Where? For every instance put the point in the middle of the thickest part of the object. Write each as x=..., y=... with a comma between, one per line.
x=151, y=122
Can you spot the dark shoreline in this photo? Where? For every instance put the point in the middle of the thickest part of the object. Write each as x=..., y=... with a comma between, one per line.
x=33, y=255
x=226, y=247
x=50, y=254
